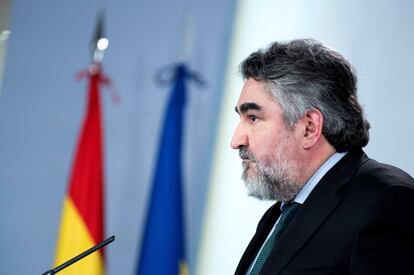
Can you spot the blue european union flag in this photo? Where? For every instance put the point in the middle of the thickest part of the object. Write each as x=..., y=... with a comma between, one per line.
x=163, y=245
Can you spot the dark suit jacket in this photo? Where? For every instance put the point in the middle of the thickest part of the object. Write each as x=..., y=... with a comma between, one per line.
x=359, y=219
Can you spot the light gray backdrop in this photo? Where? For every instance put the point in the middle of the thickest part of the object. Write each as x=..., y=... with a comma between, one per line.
x=42, y=106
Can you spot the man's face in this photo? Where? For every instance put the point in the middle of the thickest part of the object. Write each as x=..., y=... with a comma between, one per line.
x=269, y=150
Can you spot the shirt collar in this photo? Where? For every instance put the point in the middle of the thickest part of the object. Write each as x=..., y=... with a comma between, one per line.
x=317, y=176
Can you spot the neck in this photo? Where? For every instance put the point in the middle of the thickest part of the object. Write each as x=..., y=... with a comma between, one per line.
x=314, y=158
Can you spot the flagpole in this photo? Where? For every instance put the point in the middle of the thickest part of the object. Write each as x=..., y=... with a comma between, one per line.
x=187, y=39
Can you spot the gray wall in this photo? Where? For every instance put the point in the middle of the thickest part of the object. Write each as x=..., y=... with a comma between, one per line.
x=42, y=106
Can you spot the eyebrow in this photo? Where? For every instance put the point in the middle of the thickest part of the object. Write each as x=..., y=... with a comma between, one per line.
x=246, y=107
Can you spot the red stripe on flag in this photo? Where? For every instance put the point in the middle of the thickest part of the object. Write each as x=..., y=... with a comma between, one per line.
x=86, y=182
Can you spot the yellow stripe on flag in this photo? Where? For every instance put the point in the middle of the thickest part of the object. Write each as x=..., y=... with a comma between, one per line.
x=74, y=238
x=183, y=269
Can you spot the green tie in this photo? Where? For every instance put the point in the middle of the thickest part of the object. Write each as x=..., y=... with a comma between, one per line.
x=288, y=211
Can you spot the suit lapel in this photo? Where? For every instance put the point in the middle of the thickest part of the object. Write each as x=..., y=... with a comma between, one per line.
x=263, y=229
x=306, y=221
x=313, y=213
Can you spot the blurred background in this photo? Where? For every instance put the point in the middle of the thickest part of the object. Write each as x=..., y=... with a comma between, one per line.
x=44, y=44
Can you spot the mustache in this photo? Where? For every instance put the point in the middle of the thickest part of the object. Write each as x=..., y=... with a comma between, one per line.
x=244, y=153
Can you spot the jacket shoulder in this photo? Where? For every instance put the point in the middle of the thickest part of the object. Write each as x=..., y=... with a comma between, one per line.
x=383, y=175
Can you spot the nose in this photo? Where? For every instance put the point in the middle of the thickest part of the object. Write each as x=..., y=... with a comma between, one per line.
x=240, y=138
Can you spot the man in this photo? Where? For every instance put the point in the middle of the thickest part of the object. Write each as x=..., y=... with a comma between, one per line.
x=300, y=136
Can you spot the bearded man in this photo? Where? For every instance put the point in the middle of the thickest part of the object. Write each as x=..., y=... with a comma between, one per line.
x=300, y=138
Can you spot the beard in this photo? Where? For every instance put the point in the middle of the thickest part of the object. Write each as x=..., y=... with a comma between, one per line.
x=272, y=178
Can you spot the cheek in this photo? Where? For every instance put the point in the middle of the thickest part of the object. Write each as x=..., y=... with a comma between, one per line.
x=263, y=147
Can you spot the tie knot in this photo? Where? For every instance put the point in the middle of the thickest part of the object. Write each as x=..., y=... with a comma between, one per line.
x=289, y=206
x=288, y=211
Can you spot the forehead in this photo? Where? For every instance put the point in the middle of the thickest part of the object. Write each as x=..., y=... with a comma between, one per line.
x=255, y=92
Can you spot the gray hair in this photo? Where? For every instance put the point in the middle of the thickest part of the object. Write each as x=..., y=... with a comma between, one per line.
x=303, y=74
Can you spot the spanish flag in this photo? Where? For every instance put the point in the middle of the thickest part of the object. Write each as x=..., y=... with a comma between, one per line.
x=82, y=218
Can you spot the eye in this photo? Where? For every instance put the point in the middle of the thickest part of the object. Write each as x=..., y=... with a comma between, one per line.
x=252, y=118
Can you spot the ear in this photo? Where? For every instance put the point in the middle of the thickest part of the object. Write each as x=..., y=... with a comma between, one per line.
x=313, y=123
